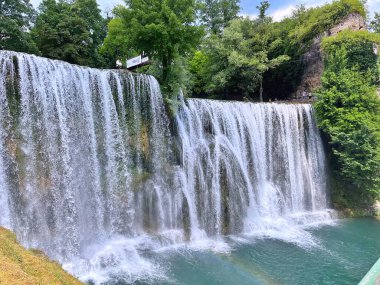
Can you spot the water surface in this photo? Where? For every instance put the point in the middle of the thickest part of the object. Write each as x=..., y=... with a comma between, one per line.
x=337, y=254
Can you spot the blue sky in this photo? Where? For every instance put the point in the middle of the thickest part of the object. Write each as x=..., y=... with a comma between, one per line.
x=281, y=8
x=278, y=9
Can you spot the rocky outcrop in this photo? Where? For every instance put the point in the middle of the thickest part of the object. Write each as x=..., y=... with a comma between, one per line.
x=354, y=22
x=313, y=59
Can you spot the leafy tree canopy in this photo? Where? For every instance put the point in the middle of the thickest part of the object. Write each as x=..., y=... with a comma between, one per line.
x=375, y=23
x=164, y=29
x=70, y=31
x=263, y=7
x=15, y=20
x=239, y=58
x=216, y=14
x=116, y=44
x=298, y=34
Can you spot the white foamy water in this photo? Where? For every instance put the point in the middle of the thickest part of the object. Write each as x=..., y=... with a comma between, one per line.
x=94, y=173
x=247, y=166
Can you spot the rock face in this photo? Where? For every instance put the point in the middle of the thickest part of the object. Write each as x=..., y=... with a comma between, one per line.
x=353, y=22
x=313, y=59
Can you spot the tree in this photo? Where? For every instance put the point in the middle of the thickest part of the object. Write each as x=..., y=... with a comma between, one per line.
x=264, y=6
x=263, y=26
x=70, y=32
x=298, y=34
x=116, y=44
x=165, y=29
x=16, y=18
x=198, y=68
x=375, y=23
x=239, y=58
x=96, y=25
x=216, y=14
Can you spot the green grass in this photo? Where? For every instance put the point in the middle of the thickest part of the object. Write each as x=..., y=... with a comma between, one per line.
x=28, y=267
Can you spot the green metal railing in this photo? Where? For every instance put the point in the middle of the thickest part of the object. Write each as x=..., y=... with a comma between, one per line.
x=373, y=276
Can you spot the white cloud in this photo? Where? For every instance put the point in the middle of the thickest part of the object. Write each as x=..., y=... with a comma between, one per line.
x=35, y=3
x=251, y=16
x=373, y=6
x=282, y=13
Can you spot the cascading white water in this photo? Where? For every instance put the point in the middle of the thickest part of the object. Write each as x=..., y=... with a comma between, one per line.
x=91, y=173
x=78, y=148
x=4, y=118
x=249, y=166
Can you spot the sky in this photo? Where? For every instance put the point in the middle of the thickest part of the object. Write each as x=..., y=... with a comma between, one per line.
x=282, y=8
x=278, y=9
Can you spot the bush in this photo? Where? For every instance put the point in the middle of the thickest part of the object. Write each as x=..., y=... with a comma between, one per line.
x=359, y=47
x=297, y=34
x=348, y=111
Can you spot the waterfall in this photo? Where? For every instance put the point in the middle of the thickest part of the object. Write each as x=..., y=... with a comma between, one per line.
x=250, y=165
x=93, y=171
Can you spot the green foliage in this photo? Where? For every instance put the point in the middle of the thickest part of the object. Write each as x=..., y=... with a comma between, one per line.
x=15, y=19
x=116, y=44
x=374, y=25
x=305, y=25
x=239, y=58
x=95, y=24
x=264, y=6
x=198, y=68
x=70, y=32
x=359, y=46
x=216, y=14
x=247, y=54
x=163, y=29
x=298, y=34
x=348, y=111
x=355, y=6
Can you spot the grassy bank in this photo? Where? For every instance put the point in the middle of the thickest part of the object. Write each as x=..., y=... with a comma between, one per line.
x=28, y=267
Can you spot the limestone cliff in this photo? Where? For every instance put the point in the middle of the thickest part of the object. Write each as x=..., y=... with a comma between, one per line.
x=313, y=59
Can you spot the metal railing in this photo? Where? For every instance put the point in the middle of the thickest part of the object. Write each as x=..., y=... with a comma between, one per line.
x=373, y=276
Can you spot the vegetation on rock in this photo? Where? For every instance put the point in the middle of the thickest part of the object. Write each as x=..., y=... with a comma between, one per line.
x=348, y=111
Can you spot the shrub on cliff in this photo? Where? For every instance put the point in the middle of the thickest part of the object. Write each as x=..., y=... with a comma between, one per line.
x=348, y=111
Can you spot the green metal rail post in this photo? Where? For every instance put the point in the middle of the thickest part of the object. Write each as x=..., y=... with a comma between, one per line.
x=373, y=276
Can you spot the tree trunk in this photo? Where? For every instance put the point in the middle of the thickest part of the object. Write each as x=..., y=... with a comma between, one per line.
x=165, y=69
x=166, y=66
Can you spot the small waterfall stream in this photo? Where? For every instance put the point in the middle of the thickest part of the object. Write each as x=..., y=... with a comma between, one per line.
x=92, y=173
